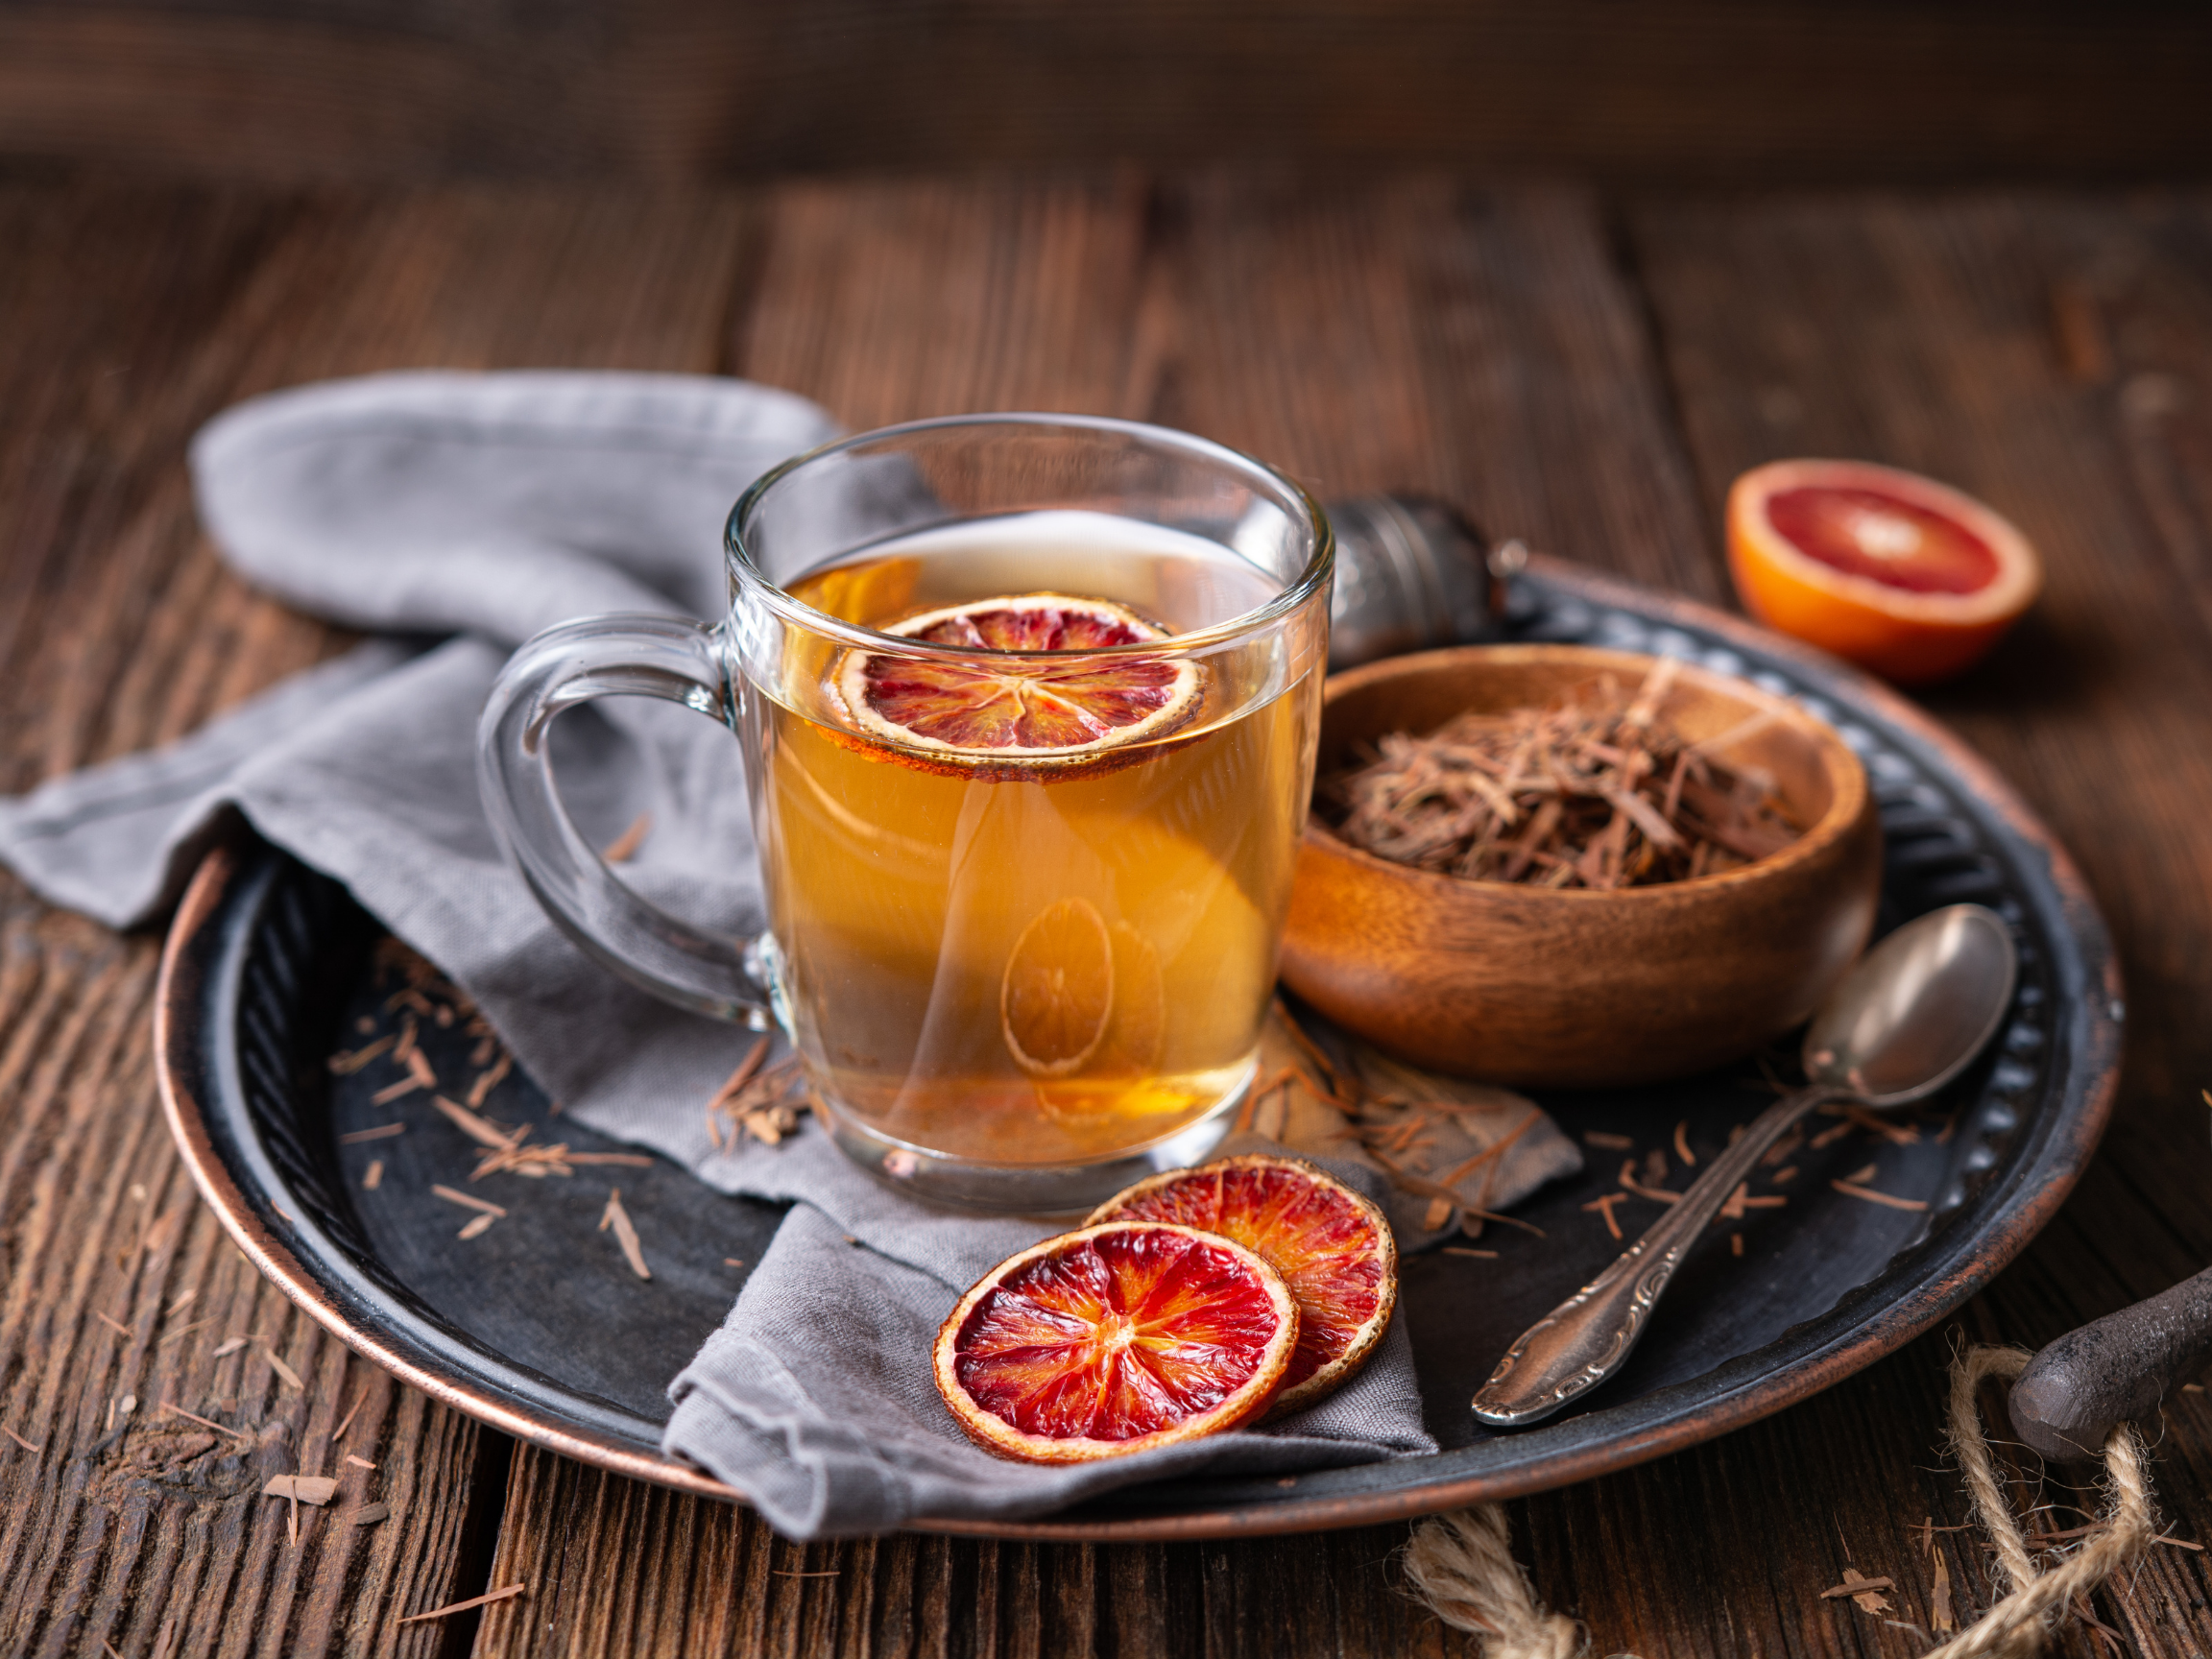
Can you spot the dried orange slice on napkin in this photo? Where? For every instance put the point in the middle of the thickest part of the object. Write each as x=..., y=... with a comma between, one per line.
x=1113, y=1339
x=1332, y=1247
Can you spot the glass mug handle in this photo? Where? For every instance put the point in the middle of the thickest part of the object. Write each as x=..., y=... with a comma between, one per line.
x=635, y=655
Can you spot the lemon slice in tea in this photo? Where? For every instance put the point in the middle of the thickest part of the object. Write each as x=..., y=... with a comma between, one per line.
x=1033, y=706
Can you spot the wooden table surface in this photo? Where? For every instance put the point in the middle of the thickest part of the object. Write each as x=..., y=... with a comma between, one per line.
x=1587, y=372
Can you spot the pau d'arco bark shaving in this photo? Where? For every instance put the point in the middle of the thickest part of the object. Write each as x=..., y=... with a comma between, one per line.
x=1597, y=791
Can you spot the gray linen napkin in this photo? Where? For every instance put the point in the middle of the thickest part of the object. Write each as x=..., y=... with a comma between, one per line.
x=461, y=513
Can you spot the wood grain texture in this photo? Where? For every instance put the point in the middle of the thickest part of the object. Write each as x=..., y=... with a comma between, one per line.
x=1587, y=382
x=1946, y=334
x=618, y=1568
x=678, y=90
x=138, y=314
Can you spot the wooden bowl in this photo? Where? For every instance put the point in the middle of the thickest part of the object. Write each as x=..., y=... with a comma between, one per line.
x=1540, y=986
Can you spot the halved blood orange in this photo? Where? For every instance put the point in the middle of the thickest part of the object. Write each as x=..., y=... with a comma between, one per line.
x=1114, y=1339
x=1043, y=701
x=1332, y=1247
x=1896, y=572
x=1057, y=993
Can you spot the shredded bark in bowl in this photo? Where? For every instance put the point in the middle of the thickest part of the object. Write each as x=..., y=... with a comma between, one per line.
x=1598, y=790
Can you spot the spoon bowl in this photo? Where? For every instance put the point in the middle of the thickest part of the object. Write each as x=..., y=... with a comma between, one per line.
x=1911, y=1014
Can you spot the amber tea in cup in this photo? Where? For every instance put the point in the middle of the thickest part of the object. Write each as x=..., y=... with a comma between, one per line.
x=1028, y=708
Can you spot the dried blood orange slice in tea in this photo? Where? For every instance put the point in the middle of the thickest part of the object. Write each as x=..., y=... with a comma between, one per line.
x=1057, y=993
x=1332, y=1247
x=1114, y=1339
x=1900, y=574
x=1032, y=704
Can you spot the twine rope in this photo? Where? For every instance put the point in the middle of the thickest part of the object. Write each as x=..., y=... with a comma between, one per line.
x=1463, y=1569
x=2017, y=1625
x=1462, y=1565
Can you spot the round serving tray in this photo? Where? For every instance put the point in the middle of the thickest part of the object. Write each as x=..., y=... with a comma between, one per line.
x=268, y=970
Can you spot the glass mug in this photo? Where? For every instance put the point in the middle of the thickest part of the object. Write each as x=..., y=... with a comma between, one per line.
x=1028, y=707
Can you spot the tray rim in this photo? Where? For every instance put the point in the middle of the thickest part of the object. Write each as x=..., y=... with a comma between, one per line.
x=181, y=992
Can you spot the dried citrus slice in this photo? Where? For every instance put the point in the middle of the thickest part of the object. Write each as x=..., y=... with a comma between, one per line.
x=1041, y=702
x=1114, y=1339
x=1332, y=1247
x=1894, y=571
x=1057, y=993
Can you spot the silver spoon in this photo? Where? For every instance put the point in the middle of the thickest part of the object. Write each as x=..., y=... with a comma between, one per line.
x=1910, y=1016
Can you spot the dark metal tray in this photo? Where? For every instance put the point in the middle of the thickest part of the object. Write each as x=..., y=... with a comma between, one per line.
x=268, y=968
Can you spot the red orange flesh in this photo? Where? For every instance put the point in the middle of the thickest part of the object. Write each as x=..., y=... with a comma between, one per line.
x=1896, y=572
x=1113, y=1339
x=1044, y=700
x=1332, y=1247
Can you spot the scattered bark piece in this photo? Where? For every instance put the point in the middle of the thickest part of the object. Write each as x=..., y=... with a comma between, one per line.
x=184, y=1301
x=359, y=1463
x=315, y=1489
x=624, y=847
x=1438, y=1212
x=1873, y=1197
x=369, y=1514
x=1469, y=1250
x=1860, y=1177
x=1874, y=1124
x=1770, y=1202
x=183, y=1330
x=1604, y=1207
x=1682, y=1144
x=1659, y=1194
x=476, y=1226
x=481, y=1130
x=392, y=1092
x=1735, y=1244
x=625, y=1234
x=1864, y=1592
x=372, y=1177
x=382, y=1131
x=1782, y=1176
x=419, y=1068
x=486, y=1600
x=487, y=1081
x=733, y=1261
x=345, y=1063
x=290, y=1376
x=360, y=1398
x=1607, y=1140
x=223, y=1350
x=114, y=1324
x=174, y=1410
x=1733, y=1209
x=20, y=1441
x=466, y=1200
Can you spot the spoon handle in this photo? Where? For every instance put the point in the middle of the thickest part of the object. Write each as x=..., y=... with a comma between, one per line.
x=1588, y=1337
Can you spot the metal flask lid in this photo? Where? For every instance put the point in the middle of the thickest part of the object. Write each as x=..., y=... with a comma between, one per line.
x=1412, y=575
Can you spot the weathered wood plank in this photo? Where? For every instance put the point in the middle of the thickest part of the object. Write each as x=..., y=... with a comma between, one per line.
x=294, y=90
x=1947, y=335
x=137, y=312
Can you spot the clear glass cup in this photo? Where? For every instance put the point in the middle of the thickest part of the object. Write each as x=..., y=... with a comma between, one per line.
x=1023, y=961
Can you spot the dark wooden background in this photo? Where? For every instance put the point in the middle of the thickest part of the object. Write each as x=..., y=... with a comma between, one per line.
x=1775, y=90
x=1285, y=227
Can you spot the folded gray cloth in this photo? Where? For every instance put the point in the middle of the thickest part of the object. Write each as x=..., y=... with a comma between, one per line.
x=459, y=514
